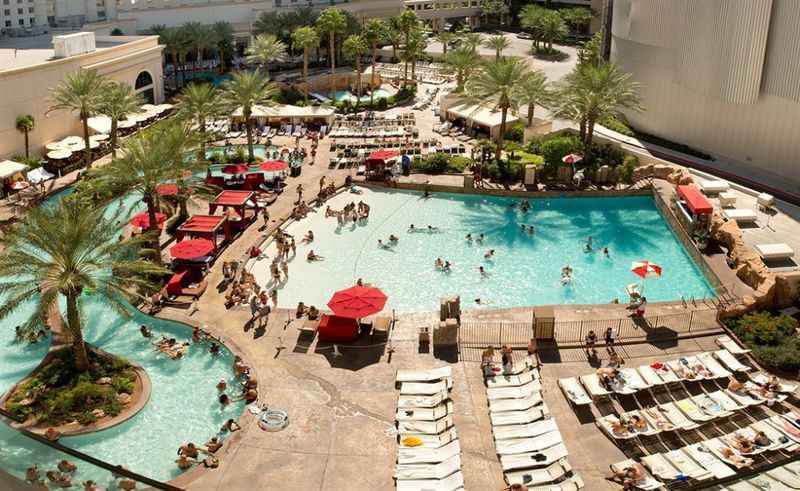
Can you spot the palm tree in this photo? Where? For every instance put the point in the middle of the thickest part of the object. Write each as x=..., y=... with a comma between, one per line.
x=533, y=91
x=245, y=90
x=498, y=44
x=80, y=92
x=530, y=18
x=445, y=37
x=375, y=31
x=591, y=93
x=415, y=49
x=176, y=43
x=407, y=22
x=117, y=101
x=305, y=38
x=200, y=39
x=201, y=102
x=265, y=49
x=394, y=36
x=461, y=62
x=496, y=86
x=471, y=40
x=62, y=251
x=24, y=125
x=331, y=22
x=553, y=28
x=355, y=47
x=223, y=39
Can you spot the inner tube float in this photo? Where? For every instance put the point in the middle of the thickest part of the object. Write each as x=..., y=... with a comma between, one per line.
x=273, y=420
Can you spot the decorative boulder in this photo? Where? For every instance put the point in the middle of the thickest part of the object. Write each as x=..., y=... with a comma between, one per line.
x=99, y=413
x=124, y=398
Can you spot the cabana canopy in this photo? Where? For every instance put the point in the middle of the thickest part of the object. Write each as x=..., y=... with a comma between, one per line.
x=695, y=201
x=333, y=328
x=8, y=168
x=481, y=115
x=204, y=226
x=232, y=199
x=286, y=111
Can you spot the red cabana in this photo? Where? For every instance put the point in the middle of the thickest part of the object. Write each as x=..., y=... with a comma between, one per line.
x=273, y=166
x=142, y=220
x=235, y=169
x=383, y=155
x=333, y=328
x=191, y=250
x=695, y=201
x=167, y=189
x=237, y=200
x=204, y=227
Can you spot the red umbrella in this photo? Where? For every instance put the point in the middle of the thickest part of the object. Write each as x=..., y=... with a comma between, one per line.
x=192, y=249
x=235, y=169
x=167, y=189
x=357, y=302
x=646, y=269
x=572, y=158
x=142, y=220
x=273, y=166
x=383, y=155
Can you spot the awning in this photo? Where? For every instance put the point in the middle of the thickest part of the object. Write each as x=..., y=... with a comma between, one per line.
x=142, y=220
x=232, y=198
x=383, y=154
x=167, y=189
x=38, y=175
x=8, y=168
x=100, y=124
x=697, y=203
x=192, y=249
x=287, y=111
x=333, y=328
x=235, y=169
x=481, y=115
x=273, y=166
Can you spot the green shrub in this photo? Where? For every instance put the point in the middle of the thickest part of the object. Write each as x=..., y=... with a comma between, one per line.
x=763, y=328
x=515, y=132
x=617, y=124
x=554, y=149
x=382, y=103
x=435, y=163
x=606, y=154
x=85, y=417
x=528, y=158
x=122, y=384
x=629, y=164
x=457, y=163
x=785, y=356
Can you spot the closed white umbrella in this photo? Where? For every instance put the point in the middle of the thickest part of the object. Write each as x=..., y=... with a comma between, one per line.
x=59, y=154
x=58, y=145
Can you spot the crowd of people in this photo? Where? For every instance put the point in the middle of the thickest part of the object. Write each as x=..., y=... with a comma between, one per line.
x=351, y=212
x=64, y=473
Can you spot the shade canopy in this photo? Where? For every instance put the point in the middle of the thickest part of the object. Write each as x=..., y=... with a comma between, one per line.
x=645, y=269
x=100, y=124
x=202, y=224
x=273, y=166
x=192, y=249
x=8, y=168
x=232, y=198
x=357, y=301
x=38, y=175
x=167, y=189
x=697, y=203
x=334, y=328
x=383, y=154
x=59, y=154
x=235, y=169
x=142, y=220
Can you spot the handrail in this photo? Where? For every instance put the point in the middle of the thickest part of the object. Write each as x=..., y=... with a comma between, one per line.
x=119, y=470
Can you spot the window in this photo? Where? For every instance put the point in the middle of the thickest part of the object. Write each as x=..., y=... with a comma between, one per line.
x=22, y=22
x=101, y=13
x=19, y=11
x=33, y=21
x=143, y=80
x=7, y=12
x=30, y=10
x=5, y=2
x=8, y=23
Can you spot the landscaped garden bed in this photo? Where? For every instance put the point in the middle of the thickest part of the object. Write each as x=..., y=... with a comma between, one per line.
x=772, y=338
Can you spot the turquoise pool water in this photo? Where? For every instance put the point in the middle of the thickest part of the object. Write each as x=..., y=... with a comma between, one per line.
x=182, y=407
x=525, y=269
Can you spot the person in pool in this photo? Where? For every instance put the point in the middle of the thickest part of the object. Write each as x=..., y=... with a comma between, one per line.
x=531, y=231
x=469, y=237
x=588, y=246
x=489, y=254
x=222, y=385
x=446, y=266
x=438, y=264
x=230, y=426
x=480, y=238
x=224, y=400
x=431, y=229
x=481, y=301
x=411, y=228
x=605, y=252
x=483, y=272
x=145, y=331
x=394, y=239
x=213, y=445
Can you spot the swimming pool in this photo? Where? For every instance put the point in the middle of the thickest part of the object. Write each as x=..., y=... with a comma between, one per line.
x=525, y=269
x=183, y=402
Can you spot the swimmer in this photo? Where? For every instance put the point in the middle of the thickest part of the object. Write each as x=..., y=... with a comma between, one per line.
x=469, y=237
x=393, y=239
x=214, y=349
x=480, y=238
x=438, y=264
x=432, y=229
x=145, y=331
x=411, y=228
x=311, y=256
x=230, y=426
x=483, y=272
x=489, y=254
x=605, y=251
x=224, y=400
x=360, y=282
x=447, y=266
x=222, y=385
x=566, y=270
x=480, y=301
x=213, y=445
x=382, y=245
x=531, y=231
x=588, y=247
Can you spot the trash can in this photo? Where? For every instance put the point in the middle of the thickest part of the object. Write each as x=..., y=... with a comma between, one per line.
x=295, y=170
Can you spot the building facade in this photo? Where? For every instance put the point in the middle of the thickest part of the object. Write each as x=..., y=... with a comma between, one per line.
x=30, y=70
x=718, y=75
x=22, y=16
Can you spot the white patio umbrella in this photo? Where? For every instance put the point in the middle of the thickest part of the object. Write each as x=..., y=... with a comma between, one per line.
x=38, y=175
x=72, y=140
x=57, y=145
x=59, y=154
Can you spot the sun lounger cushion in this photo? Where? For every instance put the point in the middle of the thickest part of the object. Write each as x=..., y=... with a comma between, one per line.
x=730, y=361
x=708, y=461
x=660, y=467
x=422, y=388
x=785, y=477
x=421, y=455
x=424, y=413
x=729, y=344
x=424, y=375
x=533, y=477
x=454, y=482
x=534, y=459
x=421, y=401
x=514, y=392
x=529, y=430
x=715, y=186
x=501, y=405
x=427, y=427
x=429, y=441
x=593, y=386
x=510, y=380
x=774, y=251
x=574, y=483
x=740, y=215
x=519, y=417
x=525, y=445
x=687, y=465
x=429, y=471
x=649, y=375
x=574, y=391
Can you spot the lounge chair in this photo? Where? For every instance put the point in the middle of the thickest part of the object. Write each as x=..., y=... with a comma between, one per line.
x=553, y=472
x=690, y=409
x=725, y=401
x=606, y=424
x=533, y=459
x=453, y=482
x=779, y=439
x=744, y=398
x=430, y=441
x=574, y=391
x=520, y=417
x=730, y=361
x=708, y=461
x=529, y=430
x=727, y=199
x=429, y=471
x=764, y=481
x=714, y=186
x=682, y=461
x=501, y=380
x=785, y=477
x=431, y=375
x=381, y=326
x=526, y=445
x=422, y=388
x=729, y=344
x=647, y=482
x=660, y=467
x=501, y=405
x=425, y=427
x=664, y=372
x=421, y=455
x=710, y=406
x=425, y=413
x=762, y=379
x=523, y=365
x=633, y=380
x=748, y=433
x=309, y=327
x=649, y=375
x=514, y=392
x=785, y=427
x=740, y=215
x=715, y=446
x=657, y=420
x=422, y=401
x=593, y=386
x=775, y=251
x=684, y=372
x=574, y=483
x=713, y=365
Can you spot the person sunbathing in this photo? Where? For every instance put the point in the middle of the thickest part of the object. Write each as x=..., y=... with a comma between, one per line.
x=59, y=479
x=311, y=256
x=761, y=439
x=734, y=385
x=702, y=371
x=773, y=384
x=742, y=443
x=32, y=474
x=308, y=237
x=737, y=460
x=630, y=475
x=661, y=423
x=438, y=264
x=637, y=422
x=619, y=428
x=394, y=239
x=685, y=372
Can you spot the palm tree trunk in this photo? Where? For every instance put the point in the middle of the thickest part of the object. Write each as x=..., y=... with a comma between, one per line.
x=394, y=51
x=587, y=144
x=444, y=49
x=503, y=114
x=76, y=333
x=27, y=148
x=88, y=150
x=152, y=208
x=331, y=49
x=414, y=69
x=531, y=108
x=372, y=78
x=497, y=55
x=202, y=124
x=358, y=77
x=248, y=123
x=582, y=129
x=113, y=138
x=305, y=72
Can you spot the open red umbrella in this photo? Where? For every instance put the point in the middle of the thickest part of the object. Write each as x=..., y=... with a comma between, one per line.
x=235, y=169
x=357, y=302
x=273, y=166
x=645, y=269
x=572, y=158
x=167, y=189
x=383, y=155
x=142, y=220
x=192, y=249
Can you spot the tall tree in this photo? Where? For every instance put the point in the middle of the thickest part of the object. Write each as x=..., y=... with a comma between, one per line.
x=393, y=35
x=223, y=41
x=530, y=18
x=245, y=90
x=61, y=251
x=200, y=38
x=117, y=101
x=305, y=38
x=201, y=102
x=266, y=48
x=407, y=22
x=496, y=86
x=497, y=44
x=552, y=29
x=461, y=62
x=590, y=93
x=471, y=40
x=445, y=37
x=24, y=125
x=331, y=22
x=577, y=18
x=177, y=44
x=375, y=31
x=534, y=91
x=414, y=49
x=80, y=92
x=355, y=47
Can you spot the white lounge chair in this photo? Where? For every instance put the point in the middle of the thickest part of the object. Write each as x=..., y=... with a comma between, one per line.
x=527, y=445
x=687, y=465
x=785, y=477
x=785, y=427
x=765, y=200
x=421, y=455
x=713, y=365
x=605, y=423
x=774, y=251
x=529, y=430
x=743, y=397
x=730, y=361
x=574, y=391
x=727, y=199
x=710, y=406
x=511, y=380
x=502, y=405
x=647, y=482
x=453, y=482
x=649, y=375
x=533, y=477
x=520, y=417
x=426, y=427
x=762, y=379
x=725, y=342
x=657, y=420
x=514, y=392
x=429, y=471
x=633, y=379
x=690, y=409
x=725, y=401
x=593, y=386
x=526, y=364
x=574, y=483
x=424, y=375
x=660, y=467
x=424, y=413
x=764, y=481
x=714, y=187
x=665, y=372
x=742, y=215
x=422, y=401
x=708, y=461
x=422, y=388
x=533, y=459
x=715, y=445
x=430, y=441
x=779, y=439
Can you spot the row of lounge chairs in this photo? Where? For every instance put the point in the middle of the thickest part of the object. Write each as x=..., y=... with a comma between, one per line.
x=429, y=453
x=528, y=443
